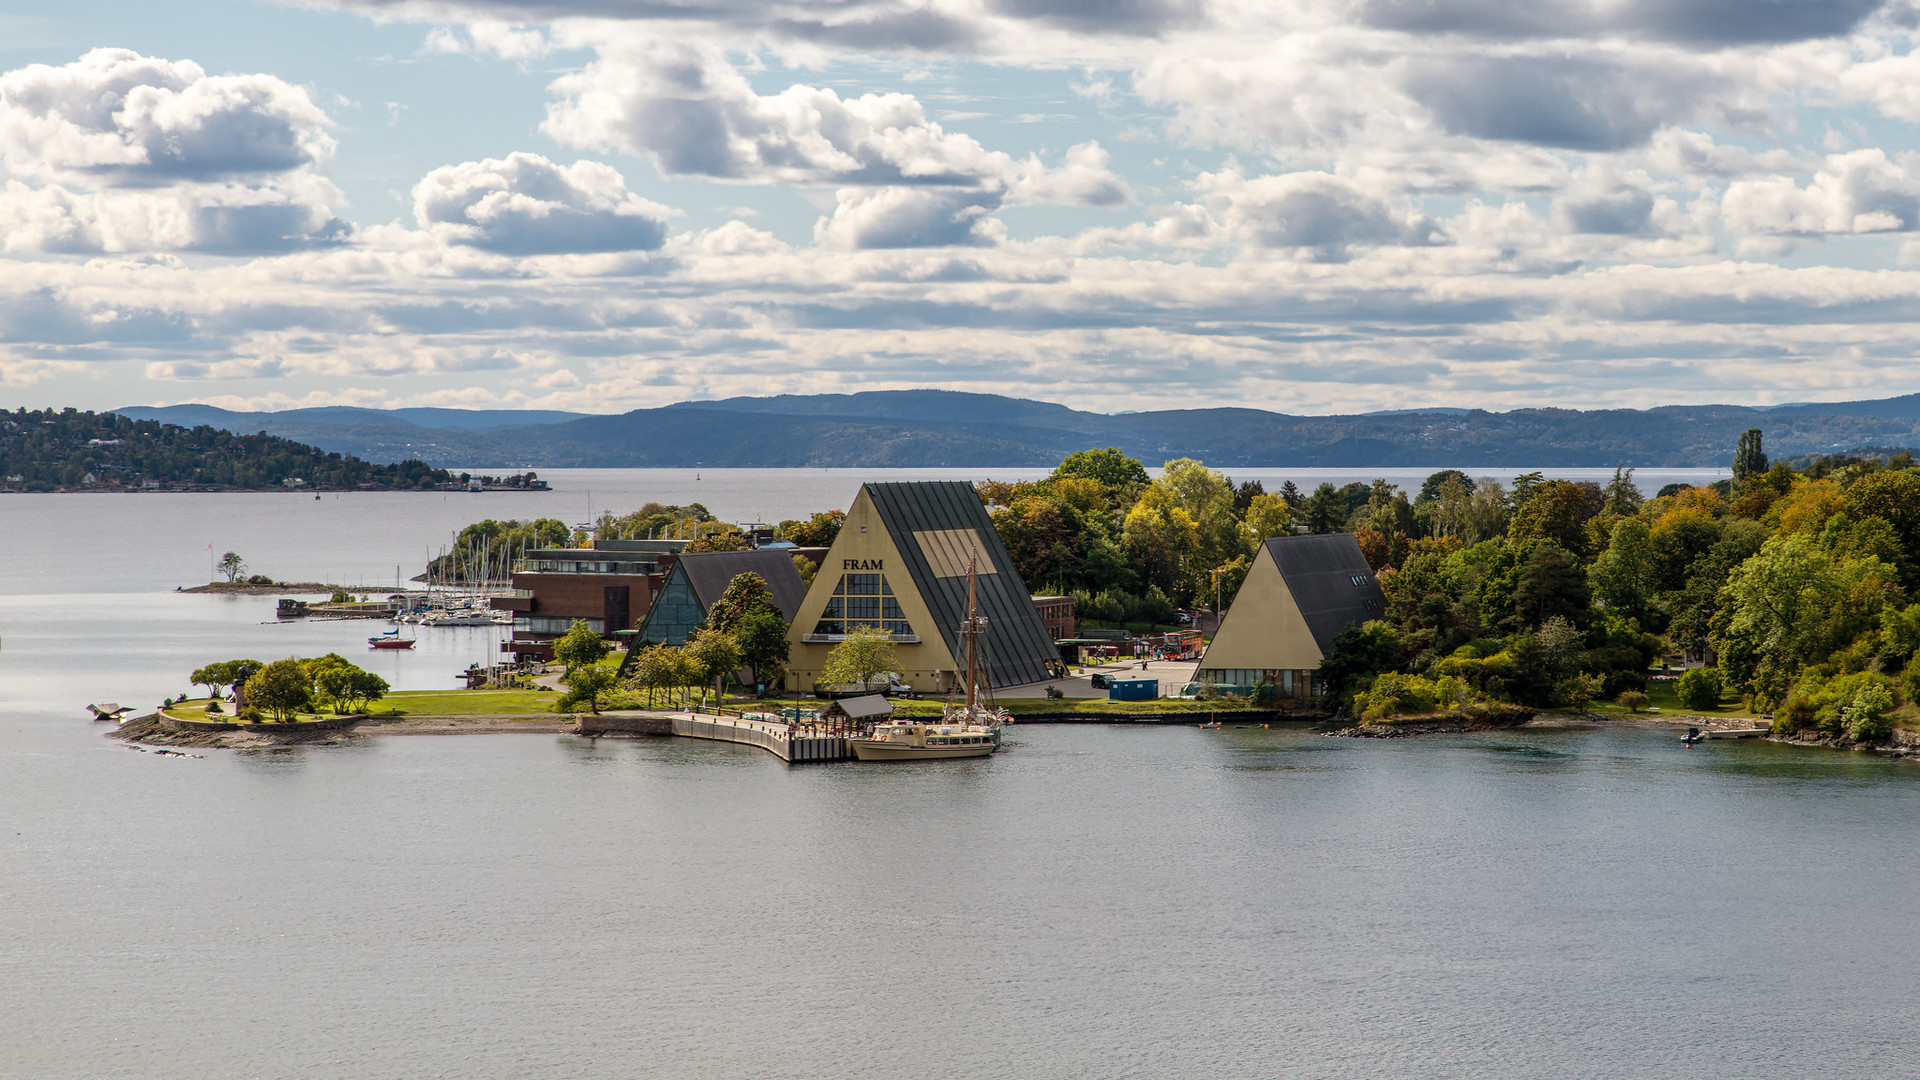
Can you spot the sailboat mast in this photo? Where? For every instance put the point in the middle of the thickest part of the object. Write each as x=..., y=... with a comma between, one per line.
x=973, y=638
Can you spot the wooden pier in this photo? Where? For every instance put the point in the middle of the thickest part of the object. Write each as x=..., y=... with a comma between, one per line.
x=775, y=737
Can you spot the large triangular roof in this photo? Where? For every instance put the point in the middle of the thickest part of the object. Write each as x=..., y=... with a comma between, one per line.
x=929, y=521
x=1330, y=580
x=710, y=572
x=699, y=579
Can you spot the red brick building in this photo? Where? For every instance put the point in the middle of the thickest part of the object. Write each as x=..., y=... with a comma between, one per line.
x=609, y=584
x=1057, y=613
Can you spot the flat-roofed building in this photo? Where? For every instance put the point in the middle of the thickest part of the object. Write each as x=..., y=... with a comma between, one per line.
x=699, y=579
x=1300, y=593
x=900, y=565
x=609, y=585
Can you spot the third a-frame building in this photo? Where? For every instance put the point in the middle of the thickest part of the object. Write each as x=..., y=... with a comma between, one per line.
x=1299, y=594
x=900, y=565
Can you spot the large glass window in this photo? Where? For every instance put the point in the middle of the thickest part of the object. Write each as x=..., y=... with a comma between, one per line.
x=863, y=600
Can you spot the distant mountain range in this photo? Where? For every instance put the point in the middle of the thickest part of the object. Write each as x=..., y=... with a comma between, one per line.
x=933, y=428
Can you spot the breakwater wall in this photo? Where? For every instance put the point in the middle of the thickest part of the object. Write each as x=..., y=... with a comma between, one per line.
x=775, y=738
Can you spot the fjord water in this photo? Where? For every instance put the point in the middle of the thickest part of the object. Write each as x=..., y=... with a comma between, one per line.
x=1094, y=901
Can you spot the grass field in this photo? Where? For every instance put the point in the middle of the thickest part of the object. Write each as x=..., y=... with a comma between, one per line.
x=196, y=709
x=465, y=702
x=1665, y=696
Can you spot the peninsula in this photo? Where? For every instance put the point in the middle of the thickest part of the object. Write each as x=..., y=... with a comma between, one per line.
x=69, y=450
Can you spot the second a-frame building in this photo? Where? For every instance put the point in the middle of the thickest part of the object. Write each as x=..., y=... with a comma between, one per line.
x=900, y=564
x=1299, y=594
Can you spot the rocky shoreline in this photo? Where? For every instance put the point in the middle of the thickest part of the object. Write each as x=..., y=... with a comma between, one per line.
x=155, y=730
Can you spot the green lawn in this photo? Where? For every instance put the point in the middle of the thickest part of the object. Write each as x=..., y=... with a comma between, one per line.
x=1665, y=696
x=465, y=702
x=196, y=709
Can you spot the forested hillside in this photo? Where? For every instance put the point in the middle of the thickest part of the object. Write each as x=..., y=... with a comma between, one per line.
x=1794, y=585
x=936, y=428
x=71, y=450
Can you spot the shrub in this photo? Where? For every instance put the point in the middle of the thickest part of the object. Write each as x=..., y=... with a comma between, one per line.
x=1394, y=694
x=1843, y=702
x=1700, y=689
x=260, y=579
x=1577, y=691
x=1632, y=701
x=1865, y=716
x=1797, y=714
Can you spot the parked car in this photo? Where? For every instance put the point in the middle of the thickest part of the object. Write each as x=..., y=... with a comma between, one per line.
x=1099, y=681
x=887, y=684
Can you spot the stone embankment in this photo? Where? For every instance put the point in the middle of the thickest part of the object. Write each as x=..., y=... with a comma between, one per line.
x=159, y=729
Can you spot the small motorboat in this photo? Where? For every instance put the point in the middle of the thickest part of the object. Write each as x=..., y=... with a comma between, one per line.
x=390, y=640
x=1692, y=736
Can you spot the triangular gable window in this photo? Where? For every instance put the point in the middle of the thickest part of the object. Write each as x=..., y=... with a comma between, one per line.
x=864, y=600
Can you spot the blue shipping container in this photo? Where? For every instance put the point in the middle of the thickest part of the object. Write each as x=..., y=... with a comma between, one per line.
x=1133, y=689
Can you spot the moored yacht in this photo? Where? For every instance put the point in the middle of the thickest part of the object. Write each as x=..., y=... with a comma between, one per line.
x=919, y=740
x=969, y=728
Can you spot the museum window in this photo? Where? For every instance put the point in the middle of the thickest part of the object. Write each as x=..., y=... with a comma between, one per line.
x=863, y=600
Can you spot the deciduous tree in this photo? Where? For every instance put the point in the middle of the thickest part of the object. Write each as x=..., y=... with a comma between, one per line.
x=581, y=646
x=281, y=688
x=859, y=658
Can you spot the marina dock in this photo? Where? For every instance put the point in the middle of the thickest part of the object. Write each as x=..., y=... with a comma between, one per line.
x=775, y=737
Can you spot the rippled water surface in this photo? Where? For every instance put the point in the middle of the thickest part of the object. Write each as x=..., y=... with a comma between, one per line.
x=1126, y=901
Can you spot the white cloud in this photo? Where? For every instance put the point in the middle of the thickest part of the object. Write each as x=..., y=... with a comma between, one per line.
x=527, y=205
x=226, y=219
x=116, y=117
x=906, y=217
x=143, y=154
x=1857, y=192
x=690, y=110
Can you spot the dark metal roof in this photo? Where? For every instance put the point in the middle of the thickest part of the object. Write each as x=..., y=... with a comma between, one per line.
x=1320, y=571
x=710, y=572
x=1018, y=648
x=864, y=706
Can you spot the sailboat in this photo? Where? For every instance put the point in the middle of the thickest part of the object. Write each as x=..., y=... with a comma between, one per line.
x=390, y=640
x=969, y=727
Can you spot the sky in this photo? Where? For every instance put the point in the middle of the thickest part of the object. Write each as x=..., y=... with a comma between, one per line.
x=1308, y=206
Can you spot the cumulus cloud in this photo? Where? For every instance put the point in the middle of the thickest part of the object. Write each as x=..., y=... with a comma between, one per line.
x=1321, y=215
x=527, y=205
x=694, y=114
x=1603, y=203
x=1083, y=180
x=226, y=219
x=116, y=117
x=137, y=153
x=907, y=217
x=1568, y=102
x=1858, y=192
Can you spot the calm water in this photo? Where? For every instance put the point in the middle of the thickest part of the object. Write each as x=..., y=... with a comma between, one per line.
x=1093, y=902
